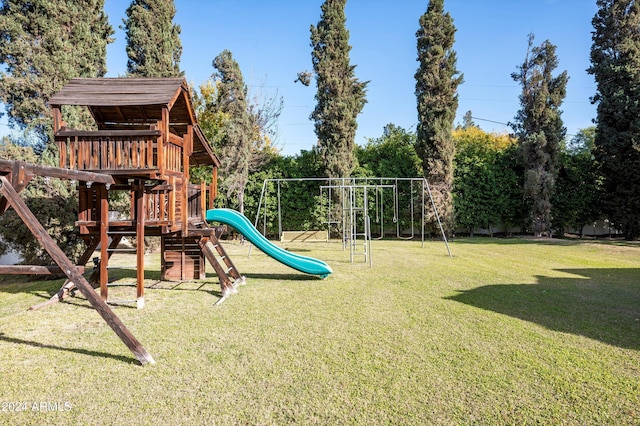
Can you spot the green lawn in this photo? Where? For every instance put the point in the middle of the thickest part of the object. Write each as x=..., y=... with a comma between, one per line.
x=506, y=332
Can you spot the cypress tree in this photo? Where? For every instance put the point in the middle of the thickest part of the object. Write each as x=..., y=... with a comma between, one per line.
x=615, y=64
x=153, y=40
x=235, y=141
x=340, y=96
x=43, y=44
x=437, y=81
x=538, y=125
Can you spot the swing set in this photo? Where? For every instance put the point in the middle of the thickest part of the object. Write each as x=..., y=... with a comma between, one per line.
x=345, y=205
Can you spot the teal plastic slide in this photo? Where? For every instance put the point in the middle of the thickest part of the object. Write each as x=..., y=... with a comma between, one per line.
x=241, y=224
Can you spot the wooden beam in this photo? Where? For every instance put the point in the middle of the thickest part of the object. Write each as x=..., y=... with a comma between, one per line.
x=56, y=172
x=19, y=179
x=64, y=291
x=203, y=200
x=92, y=244
x=160, y=144
x=57, y=117
x=172, y=201
x=185, y=185
x=72, y=273
x=214, y=187
x=34, y=270
x=109, y=133
x=139, y=200
x=104, y=242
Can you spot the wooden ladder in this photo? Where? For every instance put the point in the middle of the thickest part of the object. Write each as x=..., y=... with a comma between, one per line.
x=229, y=276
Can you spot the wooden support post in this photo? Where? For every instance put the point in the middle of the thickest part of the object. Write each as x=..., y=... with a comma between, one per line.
x=183, y=261
x=214, y=189
x=139, y=197
x=104, y=241
x=203, y=200
x=162, y=141
x=172, y=201
x=92, y=244
x=94, y=279
x=19, y=179
x=84, y=213
x=72, y=273
x=57, y=117
x=64, y=291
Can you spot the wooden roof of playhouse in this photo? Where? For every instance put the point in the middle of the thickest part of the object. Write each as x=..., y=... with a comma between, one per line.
x=136, y=104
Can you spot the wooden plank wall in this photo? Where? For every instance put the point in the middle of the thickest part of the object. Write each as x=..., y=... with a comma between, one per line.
x=111, y=150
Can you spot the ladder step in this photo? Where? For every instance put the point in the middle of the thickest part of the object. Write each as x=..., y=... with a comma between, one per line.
x=121, y=250
x=229, y=270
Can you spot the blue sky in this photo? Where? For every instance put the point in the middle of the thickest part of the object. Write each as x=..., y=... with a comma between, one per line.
x=270, y=41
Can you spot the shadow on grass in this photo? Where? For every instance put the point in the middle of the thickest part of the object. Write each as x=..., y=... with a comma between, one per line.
x=282, y=277
x=600, y=304
x=122, y=358
x=543, y=241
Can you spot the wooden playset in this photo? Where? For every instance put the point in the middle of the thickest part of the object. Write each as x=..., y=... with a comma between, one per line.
x=146, y=140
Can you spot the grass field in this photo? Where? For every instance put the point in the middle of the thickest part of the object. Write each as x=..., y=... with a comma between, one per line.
x=510, y=331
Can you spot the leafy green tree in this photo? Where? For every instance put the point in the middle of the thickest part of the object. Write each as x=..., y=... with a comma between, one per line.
x=153, y=40
x=437, y=80
x=576, y=202
x=300, y=200
x=615, y=65
x=240, y=129
x=43, y=44
x=584, y=142
x=340, y=95
x=391, y=155
x=513, y=211
x=54, y=203
x=484, y=189
x=538, y=125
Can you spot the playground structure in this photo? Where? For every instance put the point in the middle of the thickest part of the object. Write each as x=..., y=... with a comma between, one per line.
x=146, y=141
x=352, y=218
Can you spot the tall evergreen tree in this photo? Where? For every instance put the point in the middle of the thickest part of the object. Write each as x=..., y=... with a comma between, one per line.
x=236, y=136
x=153, y=40
x=615, y=64
x=576, y=202
x=340, y=96
x=437, y=81
x=43, y=44
x=538, y=125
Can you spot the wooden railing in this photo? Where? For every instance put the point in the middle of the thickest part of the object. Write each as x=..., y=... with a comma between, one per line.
x=118, y=151
x=163, y=206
